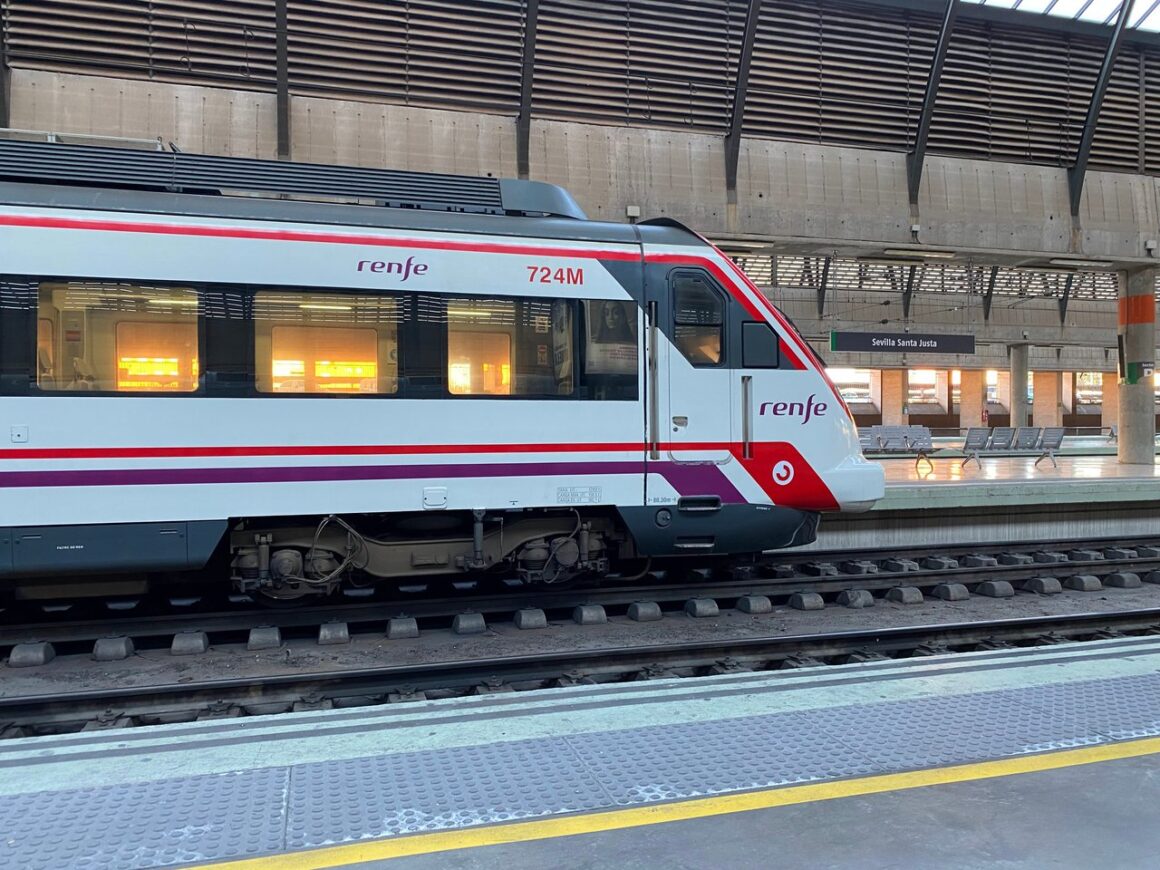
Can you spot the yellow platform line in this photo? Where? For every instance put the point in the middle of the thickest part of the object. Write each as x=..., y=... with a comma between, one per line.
x=697, y=808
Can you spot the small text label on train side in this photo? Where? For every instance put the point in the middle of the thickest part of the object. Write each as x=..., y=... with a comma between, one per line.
x=578, y=494
x=548, y=275
x=806, y=410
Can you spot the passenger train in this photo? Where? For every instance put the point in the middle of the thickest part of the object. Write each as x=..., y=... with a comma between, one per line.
x=302, y=377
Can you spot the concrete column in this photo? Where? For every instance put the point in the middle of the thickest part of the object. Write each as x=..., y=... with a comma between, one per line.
x=972, y=398
x=1137, y=342
x=876, y=388
x=1048, y=404
x=1068, y=392
x=942, y=389
x=1018, y=367
x=894, y=397
x=1109, y=400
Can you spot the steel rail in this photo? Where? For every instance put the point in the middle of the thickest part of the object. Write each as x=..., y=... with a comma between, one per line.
x=373, y=684
x=563, y=599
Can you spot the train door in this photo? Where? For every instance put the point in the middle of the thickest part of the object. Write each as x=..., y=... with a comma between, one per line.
x=700, y=384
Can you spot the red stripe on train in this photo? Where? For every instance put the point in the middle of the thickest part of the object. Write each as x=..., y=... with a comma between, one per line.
x=341, y=450
x=62, y=223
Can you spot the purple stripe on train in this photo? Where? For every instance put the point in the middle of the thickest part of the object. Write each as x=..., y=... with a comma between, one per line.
x=692, y=479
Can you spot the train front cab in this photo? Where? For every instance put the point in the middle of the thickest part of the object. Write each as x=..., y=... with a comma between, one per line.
x=748, y=442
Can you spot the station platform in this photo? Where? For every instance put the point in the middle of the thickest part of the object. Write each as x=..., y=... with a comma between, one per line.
x=1033, y=757
x=1002, y=500
x=1002, y=480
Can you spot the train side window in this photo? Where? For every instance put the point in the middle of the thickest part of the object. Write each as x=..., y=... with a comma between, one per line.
x=760, y=346
x=116, y=337
x=479, y=346
x=17, y=350
x=327, y=343
x=510, y=346
x=698, y=319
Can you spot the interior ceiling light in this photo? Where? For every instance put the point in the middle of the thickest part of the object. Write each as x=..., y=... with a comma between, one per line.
x=318, y=306
x=1081, y=264
x=924, y=254
x=892, y=261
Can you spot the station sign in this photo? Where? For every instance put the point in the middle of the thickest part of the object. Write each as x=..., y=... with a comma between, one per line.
x=901, y=342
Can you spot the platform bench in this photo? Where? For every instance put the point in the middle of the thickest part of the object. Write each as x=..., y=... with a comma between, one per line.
x=914, y=440
x=1008, y=440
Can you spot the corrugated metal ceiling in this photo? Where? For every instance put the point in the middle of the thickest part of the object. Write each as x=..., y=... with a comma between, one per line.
x=825, y=71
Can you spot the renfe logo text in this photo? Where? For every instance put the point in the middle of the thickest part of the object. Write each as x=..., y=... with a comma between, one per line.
x=805, y=410
x=404, y=270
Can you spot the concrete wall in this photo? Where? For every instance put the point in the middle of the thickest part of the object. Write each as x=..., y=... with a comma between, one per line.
x=1047, y=407
x=786, y=190
x=203, y=120
x=607, y=169
x=352, y=133
x=894, y=398
x=797, y=190
x=1110, y=404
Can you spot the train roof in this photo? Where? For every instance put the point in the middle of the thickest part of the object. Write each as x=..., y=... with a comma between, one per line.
x=162, y=182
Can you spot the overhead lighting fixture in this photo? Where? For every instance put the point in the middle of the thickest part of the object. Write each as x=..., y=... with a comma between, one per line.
x=467, y=312
x=891, y=261
x=318, y=306
x=921, y=252
x=192, y=303
x=1044, y=270
x=1081, y=264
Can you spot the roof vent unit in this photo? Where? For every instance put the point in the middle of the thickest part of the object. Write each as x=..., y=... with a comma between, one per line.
x=178, y=172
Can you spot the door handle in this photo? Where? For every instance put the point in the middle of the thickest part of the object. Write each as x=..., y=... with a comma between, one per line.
x=654, y=413
x=680, y=421
x=747, y=416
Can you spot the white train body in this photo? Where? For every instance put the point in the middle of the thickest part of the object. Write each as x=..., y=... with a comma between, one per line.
x=732, y=445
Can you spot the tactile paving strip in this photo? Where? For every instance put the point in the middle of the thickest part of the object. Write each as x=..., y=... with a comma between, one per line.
x=151, y=824
x=205, y=818
x=670, y=762
x=426, y=791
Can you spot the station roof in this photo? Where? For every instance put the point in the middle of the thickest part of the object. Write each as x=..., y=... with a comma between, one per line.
x=1145, y=14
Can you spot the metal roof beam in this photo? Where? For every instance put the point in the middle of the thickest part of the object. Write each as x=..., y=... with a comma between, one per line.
x=990, y=294
x=733, y=137
x=917, y=155
x=282, y=70
x=1148, y=12
x=524, y=119
x=5, y=79
x=1063, y=300
x=908, y=293
x=1023, y=20
x=1075, y=175
x=822, y=287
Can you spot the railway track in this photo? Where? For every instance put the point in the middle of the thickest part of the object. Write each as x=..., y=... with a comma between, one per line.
x=117, y=706
x=154, y=687
x=825, y=574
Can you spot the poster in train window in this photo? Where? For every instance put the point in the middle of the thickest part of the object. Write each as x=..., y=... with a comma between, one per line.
x=611, y=340
x=562, y=352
